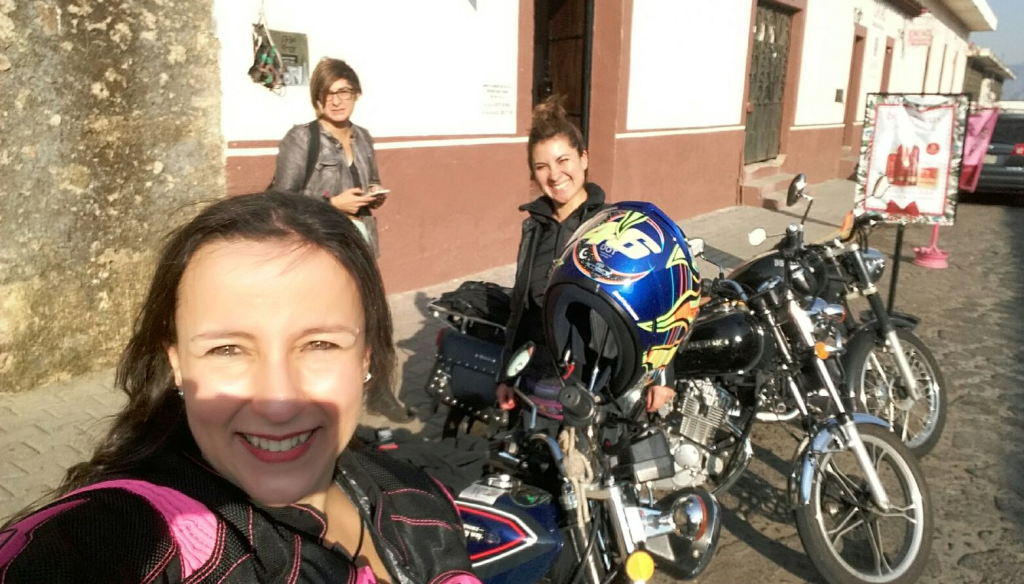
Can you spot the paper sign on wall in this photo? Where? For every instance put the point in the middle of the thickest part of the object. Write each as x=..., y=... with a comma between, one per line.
x=919, y=37
x=910, y=156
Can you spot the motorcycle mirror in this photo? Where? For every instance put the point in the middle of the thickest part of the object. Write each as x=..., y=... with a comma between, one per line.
x=696, y=246
x=757, y=236
x=520, y=359
x=797, y=190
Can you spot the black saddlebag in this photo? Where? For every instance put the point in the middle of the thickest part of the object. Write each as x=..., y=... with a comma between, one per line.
x=465, y=373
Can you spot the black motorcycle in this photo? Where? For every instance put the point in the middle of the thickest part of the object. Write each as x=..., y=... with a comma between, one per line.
x=754, y=354
x=860, y=501
x=886, y=369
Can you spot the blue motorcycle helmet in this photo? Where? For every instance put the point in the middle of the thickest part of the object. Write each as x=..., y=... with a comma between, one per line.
x=622, y=296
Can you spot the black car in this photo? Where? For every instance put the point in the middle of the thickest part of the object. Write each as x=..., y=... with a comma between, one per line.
x=1003, y=168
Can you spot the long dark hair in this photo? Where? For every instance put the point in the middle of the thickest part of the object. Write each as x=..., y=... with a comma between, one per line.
x=549, y=121
x=153, y=421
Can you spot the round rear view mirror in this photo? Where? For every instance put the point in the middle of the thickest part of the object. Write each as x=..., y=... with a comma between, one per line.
x=796, y=189
x=757, y=236
x=520, y=359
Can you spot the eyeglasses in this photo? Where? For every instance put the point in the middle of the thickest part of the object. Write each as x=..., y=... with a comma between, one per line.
x=344, y=94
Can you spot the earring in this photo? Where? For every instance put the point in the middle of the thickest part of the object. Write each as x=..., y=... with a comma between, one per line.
x=180, y=393
x=368, y=377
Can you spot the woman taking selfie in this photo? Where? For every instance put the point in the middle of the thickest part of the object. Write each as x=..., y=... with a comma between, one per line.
x=231, y=461
x=332, y=159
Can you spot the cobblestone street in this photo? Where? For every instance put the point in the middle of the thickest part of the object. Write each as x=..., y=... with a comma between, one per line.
x=971, y=318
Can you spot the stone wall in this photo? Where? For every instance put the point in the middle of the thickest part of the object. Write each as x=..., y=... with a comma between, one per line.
x=109, y=136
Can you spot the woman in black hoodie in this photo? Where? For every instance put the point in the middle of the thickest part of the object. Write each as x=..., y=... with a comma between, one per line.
x=558, y=165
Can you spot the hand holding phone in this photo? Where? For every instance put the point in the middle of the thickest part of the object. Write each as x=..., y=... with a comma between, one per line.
x=378, y=194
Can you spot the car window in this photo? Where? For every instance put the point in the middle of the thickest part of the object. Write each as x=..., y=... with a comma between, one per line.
x=1009, y=129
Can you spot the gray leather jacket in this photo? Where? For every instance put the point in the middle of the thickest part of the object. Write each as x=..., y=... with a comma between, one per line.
x=332, y=173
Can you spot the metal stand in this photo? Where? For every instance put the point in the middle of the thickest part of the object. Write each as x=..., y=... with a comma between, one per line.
x=898, y=259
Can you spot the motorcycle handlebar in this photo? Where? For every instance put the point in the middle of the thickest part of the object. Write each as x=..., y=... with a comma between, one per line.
x=864, y=224
x=729, y=288
x=792, y=242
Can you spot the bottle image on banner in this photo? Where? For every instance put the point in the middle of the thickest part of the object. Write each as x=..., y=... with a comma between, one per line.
x=903, y=168
x=896, y=166
x=915, y=156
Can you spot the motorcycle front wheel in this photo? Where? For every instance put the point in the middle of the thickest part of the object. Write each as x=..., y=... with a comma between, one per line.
x=848, y=538
x=874, y=382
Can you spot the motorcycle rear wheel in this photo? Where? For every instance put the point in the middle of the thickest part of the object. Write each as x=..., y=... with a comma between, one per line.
x=846, y=535
x=873, y=377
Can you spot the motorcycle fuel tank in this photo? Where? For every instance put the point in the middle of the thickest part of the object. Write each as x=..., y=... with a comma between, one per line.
x=511, y=533
x=723, y=340
x=759, y=269
x=811, y=278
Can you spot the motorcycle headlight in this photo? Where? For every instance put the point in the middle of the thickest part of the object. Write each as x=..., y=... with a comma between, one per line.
x=875, y=262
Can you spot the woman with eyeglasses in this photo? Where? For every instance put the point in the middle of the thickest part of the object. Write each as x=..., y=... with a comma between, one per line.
x=332, y=159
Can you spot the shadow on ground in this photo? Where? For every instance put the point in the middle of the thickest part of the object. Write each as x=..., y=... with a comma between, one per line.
x=418, y=353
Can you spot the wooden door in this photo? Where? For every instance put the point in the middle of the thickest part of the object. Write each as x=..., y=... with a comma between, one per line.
x=563, y=35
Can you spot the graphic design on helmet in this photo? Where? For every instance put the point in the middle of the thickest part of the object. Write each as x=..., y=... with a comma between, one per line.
x=629, y=234
x=681, y=314
x=630, y=268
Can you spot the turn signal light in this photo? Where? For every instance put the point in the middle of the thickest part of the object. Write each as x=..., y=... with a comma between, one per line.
x=639, y=566
x=821, y=350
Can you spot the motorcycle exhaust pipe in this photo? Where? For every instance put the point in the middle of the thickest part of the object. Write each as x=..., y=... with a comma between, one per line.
x=774, y=417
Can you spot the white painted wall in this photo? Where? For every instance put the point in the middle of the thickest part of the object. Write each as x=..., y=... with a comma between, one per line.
x=908, y=67
x=828, y=51
x=423, y=65
x=942, y=76
x=882, y=22
x=825, y=65
x=688, y=62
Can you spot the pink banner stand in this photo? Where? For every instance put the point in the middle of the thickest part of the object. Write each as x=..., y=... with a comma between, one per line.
x=931, y=256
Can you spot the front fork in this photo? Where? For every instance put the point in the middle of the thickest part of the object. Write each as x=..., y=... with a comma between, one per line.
x=886, y=327
x=849, y=428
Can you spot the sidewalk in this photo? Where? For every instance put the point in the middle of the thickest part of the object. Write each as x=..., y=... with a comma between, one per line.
x=44, y=431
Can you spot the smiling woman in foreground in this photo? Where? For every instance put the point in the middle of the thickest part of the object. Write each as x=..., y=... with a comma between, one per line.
x=264, y=329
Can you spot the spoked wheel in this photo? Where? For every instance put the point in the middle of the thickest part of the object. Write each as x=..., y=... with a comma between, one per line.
x=875, y=381
x=850, y=539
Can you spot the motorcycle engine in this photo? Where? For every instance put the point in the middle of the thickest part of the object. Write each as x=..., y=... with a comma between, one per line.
x=698, y=411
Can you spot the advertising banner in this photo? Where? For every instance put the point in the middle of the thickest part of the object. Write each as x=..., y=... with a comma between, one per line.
x=980, y=125
x=910, y=157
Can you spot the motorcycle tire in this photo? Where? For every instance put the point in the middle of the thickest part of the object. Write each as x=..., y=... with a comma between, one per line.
x=868, y=368
x=839, y=495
